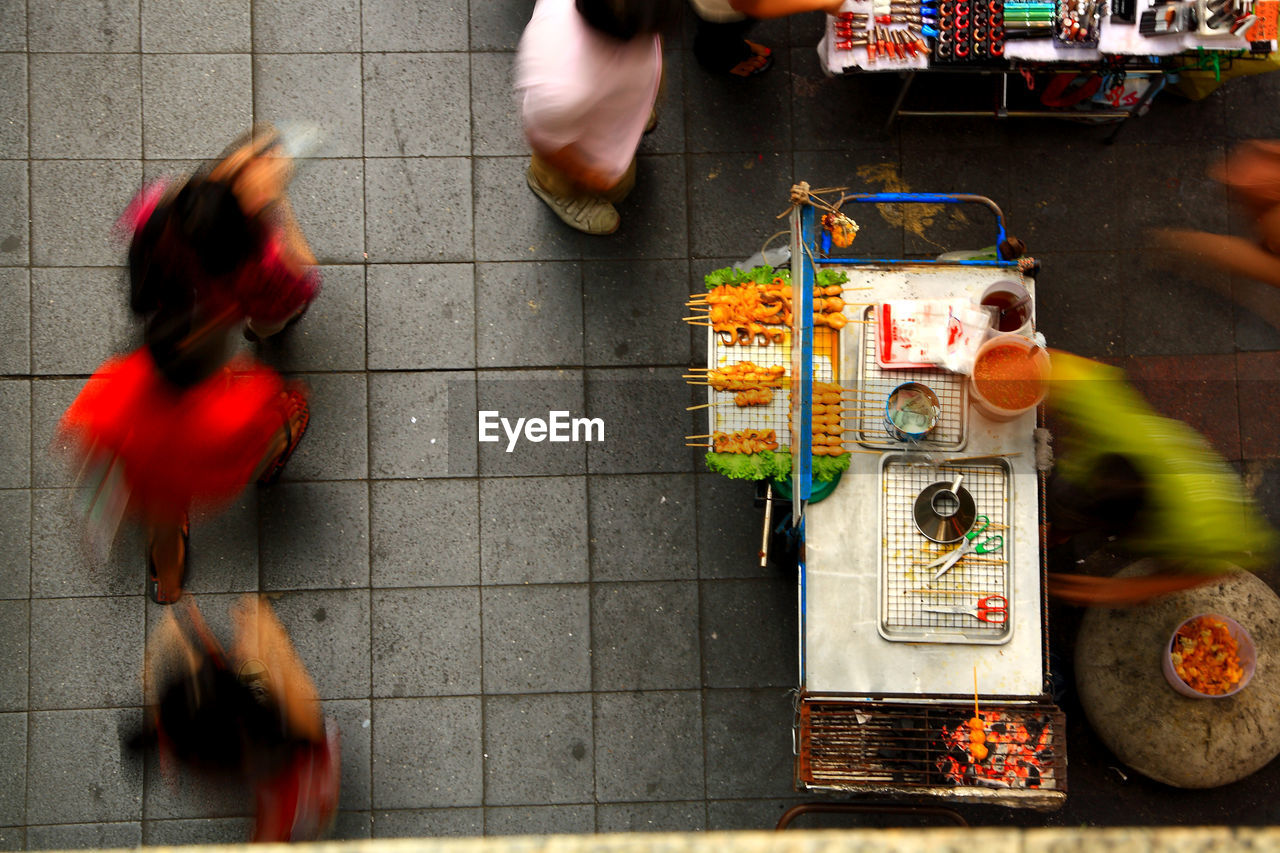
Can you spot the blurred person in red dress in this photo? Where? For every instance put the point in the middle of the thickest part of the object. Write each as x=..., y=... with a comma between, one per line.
x=249, y=718
x=183, y=422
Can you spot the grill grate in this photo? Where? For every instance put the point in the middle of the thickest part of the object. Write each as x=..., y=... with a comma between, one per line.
x=728, y=417
x=877, y=383
x=849, y=745
x=906, y=586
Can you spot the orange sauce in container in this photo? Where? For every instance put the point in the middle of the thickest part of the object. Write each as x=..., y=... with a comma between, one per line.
x=1009, y=377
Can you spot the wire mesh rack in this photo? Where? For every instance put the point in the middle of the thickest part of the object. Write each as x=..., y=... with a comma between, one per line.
x=875, y=383
x=725, y=416
x=907, y=587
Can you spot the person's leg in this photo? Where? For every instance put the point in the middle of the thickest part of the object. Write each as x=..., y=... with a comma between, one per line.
x=166, y=560
x=625, y=185
x=297, y=414
x=722, y=48
x=582, y=211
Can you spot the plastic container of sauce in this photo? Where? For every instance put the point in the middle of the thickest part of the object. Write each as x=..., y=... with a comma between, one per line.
x=1010, y=377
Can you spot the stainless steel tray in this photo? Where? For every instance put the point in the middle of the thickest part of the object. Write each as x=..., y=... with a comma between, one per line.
x=905, y=586
x=876, y=383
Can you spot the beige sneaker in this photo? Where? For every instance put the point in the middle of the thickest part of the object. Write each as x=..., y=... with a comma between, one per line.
x=587, y=214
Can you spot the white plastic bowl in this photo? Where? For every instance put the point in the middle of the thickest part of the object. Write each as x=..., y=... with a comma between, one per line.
x=1248, y=658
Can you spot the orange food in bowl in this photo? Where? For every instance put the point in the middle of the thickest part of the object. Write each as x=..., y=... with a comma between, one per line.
x=1206, y=657
x=1006, y=376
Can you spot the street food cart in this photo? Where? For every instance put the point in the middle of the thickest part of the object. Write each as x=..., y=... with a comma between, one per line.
x=916, y=678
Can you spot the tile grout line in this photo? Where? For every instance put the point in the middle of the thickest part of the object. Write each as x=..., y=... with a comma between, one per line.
x=31, y=434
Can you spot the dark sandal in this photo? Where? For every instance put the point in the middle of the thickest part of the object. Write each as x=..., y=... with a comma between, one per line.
x=295, y=403
x=154, y=590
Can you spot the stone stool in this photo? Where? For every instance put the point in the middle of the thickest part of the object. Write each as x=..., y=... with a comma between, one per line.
x=1184, y=742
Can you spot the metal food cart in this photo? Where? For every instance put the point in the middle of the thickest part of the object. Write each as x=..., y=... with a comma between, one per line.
x=885, y=685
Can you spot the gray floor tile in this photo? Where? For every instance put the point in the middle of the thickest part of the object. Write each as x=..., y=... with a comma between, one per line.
x=531, y=395
x=182, y=795
x=13, y=25
x=76, y=836
x=288, y=26
x=645, y=421
x=838, y=113
x=15, y=534
x=224, y=547
x=415, y=25
x=422, y=425
x=729, y=529
x=85, y=105
x=651, y=817
x=648, y=746
x=51, y=462
x=82, y=318
x=1174, y=312
x=323, y=89
x=1247, y=106
x=75, y=668
x=754, y=187
x=640, y=527
x=400, y=120
x=332, y=335
x=195, y=104
x=15, y=639
x=109, y=26
x=13, y=838
x=354, y=718
x=336, y=444
x=497, y=24
x=1078, y=284
x=426, y=642
x=13, y=98
x=495, y=117
x=429, y=823
x=328, y=199
x=668, y=137
x=1257, y=317
x=524, y=525
x=529, y=314
x=418, y=210
x=15, y=433
x=749, y=633
x=351, y=826
x=76, y=769
x=536, y=639
x=733, y=117
x=540, y=820
x=15, y=217
x=512, y=224
x=15, y=324
x=644, y=636
x=622, y=325
x=421, y=316
x=932, y=229
x=425, y=533
x=538, y=751
x=416, y=766
x=330, y=629
x=655, y=216
x=13, y=771
x=73, y=204
x=195, y=26
x=748, y=741
x=217, y=830
x=62, y=562
x=730, y=815
x=315, y=536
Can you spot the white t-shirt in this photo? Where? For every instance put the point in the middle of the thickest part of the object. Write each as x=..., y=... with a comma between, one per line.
x=580, y=87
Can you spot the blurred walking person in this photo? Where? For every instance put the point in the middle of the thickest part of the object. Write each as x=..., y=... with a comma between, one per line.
x=249, y=718
x=587, y=77
x=182, y=422
x=719, y=42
